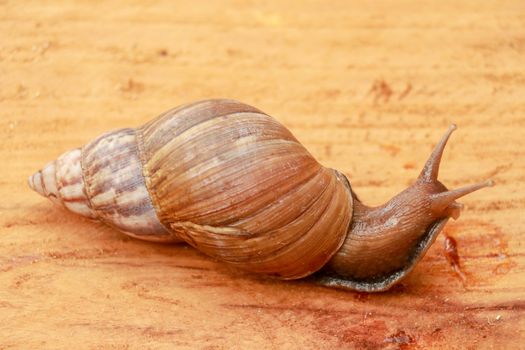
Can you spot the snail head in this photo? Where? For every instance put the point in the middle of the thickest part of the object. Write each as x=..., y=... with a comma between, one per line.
x=442, y=201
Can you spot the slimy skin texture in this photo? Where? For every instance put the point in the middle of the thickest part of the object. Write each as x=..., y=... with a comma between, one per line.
x=235, y=184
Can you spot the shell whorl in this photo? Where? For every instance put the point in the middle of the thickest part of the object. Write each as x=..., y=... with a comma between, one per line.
x=237, y=185
x=115, y=186
x=62, y=182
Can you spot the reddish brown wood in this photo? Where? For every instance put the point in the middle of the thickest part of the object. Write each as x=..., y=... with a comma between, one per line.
x=367, y=87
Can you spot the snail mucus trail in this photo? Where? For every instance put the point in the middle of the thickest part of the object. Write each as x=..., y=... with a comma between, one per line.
x=235, y=184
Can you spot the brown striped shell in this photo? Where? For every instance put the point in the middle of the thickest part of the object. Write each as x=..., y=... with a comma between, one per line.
x=218, y=174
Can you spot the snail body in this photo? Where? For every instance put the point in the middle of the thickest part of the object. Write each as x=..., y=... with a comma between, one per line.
x=235, y=184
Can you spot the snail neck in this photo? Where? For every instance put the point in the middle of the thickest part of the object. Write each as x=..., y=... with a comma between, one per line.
x=381, y=239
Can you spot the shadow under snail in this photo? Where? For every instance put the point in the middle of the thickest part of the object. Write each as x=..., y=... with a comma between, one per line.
x=235, y=184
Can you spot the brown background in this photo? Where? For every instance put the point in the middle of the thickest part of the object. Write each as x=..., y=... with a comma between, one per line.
x=368, y=87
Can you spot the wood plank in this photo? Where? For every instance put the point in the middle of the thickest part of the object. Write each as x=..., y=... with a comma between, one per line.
x=368, y=87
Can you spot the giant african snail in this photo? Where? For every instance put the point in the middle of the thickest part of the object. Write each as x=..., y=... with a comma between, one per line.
x=237, y=185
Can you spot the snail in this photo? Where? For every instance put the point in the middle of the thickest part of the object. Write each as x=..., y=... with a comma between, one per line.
x=235, y=184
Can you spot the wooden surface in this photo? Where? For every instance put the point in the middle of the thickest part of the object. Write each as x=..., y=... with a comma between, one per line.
x=368, y=87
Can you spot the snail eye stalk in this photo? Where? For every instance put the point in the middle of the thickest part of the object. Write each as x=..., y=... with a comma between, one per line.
x=431, y=169
x=444, y=201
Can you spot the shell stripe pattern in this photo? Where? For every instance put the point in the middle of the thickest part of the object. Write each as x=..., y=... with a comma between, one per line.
x=237, y=185
x=115, y=186
x=62, y=182
x=70, y=183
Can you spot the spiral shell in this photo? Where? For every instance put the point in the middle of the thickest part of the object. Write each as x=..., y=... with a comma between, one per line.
x=218, y=174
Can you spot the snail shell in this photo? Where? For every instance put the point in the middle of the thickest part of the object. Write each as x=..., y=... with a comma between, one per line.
x=235, y=184
x=218, y=174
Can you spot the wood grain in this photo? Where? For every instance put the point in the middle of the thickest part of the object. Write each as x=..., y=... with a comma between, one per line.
x=368, y=88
